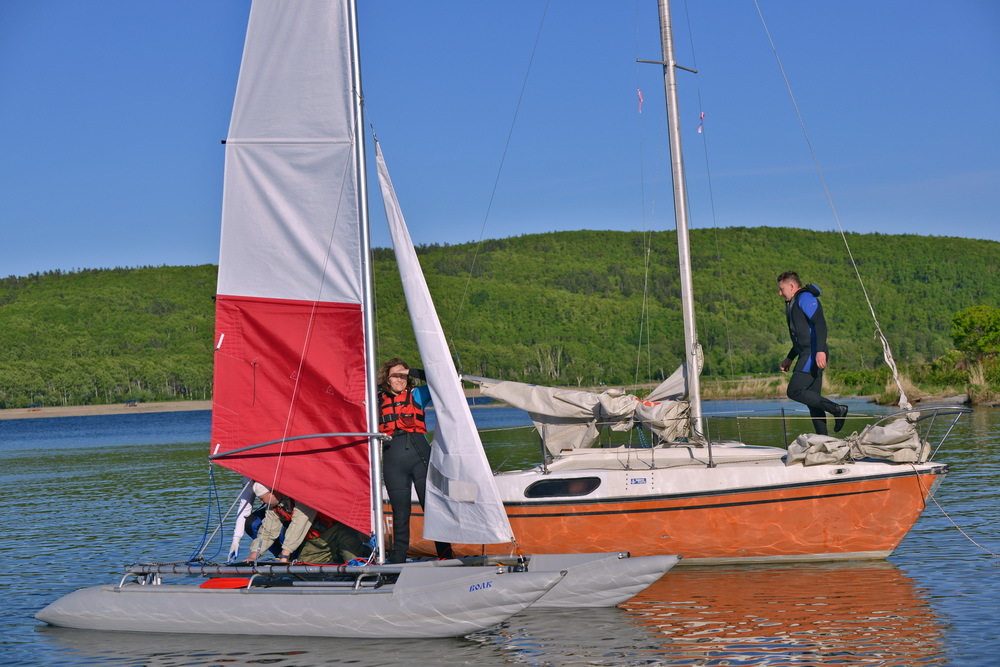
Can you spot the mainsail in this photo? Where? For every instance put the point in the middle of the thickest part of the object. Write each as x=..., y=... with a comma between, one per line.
x=462, y=501
x=290, y=351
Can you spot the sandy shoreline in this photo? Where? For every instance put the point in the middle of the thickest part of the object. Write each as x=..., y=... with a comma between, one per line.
x=114, y=409
x=119, y=409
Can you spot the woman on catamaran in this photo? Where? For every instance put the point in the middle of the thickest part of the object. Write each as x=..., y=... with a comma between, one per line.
x=406, y=454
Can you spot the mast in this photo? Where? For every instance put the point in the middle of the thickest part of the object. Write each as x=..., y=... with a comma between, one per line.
x=367, y=289
x=691, y=347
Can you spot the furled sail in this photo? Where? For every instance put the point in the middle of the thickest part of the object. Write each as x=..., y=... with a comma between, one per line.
x=289, y=358
x=573, y=418
x=898, y=441
x=462, y=501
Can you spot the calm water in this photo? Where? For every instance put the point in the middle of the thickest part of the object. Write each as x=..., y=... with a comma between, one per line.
x=84, y=496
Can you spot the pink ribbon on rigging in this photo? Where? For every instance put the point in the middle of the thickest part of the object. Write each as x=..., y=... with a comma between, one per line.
x=639, y=90
x=701, y=122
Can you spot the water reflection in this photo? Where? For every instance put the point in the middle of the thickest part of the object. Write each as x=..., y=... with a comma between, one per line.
x=796, y=614
x=85, y=647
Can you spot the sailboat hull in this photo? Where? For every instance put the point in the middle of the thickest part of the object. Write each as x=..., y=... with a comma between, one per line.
x=424, y=602
x=591, y=579
x=751, y=512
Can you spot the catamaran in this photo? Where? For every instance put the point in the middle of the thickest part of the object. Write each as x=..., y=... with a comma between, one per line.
x=294, y=402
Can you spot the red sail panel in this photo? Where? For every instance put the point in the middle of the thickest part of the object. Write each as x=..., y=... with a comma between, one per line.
x=285, y=369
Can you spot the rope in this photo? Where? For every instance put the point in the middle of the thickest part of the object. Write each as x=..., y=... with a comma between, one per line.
x=213, y=494
x=928, y=494
x=496, y=181
x=879, y=334
x=959, y=529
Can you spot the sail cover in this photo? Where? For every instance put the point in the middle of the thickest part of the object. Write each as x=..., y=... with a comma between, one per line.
x=462, y=503
x=289, y=358
x=573, y=418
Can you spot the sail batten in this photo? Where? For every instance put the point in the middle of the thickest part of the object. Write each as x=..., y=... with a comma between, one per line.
x=284, y=141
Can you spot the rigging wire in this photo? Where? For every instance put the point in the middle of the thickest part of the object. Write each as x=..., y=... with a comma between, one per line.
x=703, y=131
x=711, y=200
x=496, y=181
x=928, y=493
x=879, y=335
x=206, y=539
x=645, y=323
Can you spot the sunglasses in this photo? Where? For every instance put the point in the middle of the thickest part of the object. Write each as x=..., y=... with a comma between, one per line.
x=399, y=376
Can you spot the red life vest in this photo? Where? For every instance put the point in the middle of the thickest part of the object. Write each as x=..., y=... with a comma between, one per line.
x=283, y=514
x=400, y=413
x=321, y=523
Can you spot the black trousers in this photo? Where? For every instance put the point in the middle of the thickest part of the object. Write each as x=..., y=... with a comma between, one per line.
x=805, y=387
x=404, y=467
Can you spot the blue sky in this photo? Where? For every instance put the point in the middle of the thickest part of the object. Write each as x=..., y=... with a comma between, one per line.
x=113, y=111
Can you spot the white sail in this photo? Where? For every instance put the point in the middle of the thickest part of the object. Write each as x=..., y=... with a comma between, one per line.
x=290, y=203
x=462, y=501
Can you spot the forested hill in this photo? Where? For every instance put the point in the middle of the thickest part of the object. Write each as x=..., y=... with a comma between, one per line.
x=567, y=307
x=101, y=336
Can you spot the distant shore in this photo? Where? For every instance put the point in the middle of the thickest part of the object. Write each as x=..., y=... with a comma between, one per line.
x=182, y=406
x=119, y=409
x=113, y=409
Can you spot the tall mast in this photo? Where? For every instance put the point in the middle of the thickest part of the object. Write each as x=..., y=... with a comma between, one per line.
x=367, y=289
x=691, y=347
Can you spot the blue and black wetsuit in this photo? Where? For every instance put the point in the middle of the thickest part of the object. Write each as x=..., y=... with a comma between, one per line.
x=807, y=329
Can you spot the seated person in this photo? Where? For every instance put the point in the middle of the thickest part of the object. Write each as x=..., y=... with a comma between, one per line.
x=322, y=539
x=333, y=542
x=296, y=518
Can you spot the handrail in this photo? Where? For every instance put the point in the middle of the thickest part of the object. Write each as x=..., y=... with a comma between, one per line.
x=259, y=568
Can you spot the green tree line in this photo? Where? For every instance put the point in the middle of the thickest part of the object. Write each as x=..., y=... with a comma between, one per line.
x=576, y=308
x=594, y=306
x=105, y=335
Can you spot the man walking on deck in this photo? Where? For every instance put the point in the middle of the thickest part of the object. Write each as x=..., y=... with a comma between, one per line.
x=807, y=329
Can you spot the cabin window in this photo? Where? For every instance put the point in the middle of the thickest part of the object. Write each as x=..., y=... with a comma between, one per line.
x=562, y=488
